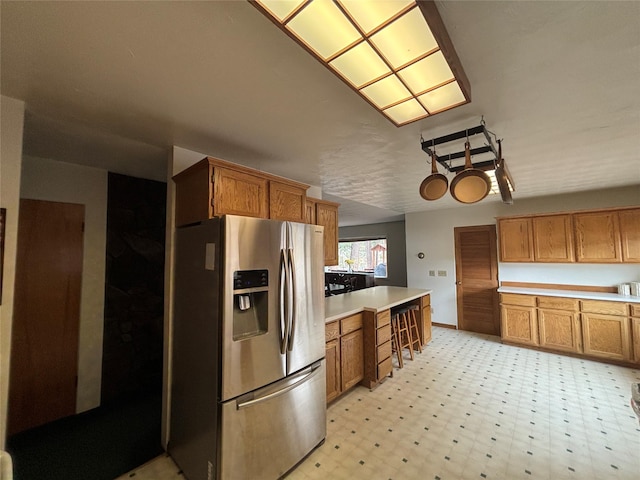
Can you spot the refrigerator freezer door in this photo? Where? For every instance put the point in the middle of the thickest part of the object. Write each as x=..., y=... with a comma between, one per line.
x=306, y=254
x=255, y=361
x=267, y=432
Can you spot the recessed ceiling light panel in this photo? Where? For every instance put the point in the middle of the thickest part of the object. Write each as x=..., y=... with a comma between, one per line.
x=391, y=52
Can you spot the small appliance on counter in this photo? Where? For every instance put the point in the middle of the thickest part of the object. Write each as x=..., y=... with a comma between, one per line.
x=624, y=289
x=248, y=389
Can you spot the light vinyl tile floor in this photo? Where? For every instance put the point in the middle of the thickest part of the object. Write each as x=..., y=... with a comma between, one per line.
x=470, y=407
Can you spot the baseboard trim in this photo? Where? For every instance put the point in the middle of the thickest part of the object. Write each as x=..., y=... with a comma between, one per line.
x=444, y=325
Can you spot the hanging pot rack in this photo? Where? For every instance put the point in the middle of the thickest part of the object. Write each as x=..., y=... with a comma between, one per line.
x=491, y=159
x=447, y=160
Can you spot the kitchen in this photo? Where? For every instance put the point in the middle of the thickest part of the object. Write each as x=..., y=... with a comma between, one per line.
x=421, y=224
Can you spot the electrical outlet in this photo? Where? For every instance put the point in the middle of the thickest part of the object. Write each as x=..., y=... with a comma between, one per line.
x=442, y=273
x=431, y=309
x=432, y=273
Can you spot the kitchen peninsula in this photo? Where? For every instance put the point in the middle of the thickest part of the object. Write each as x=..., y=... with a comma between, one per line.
x=358, y=334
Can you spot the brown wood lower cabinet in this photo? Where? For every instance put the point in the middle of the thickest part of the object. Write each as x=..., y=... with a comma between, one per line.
x=377, y=341
x=519, y=319
x=635, y=333
x=594, y=328
x=334, y=385
x=351, y=359
x=559, y=324
x=344, y=349
x=606, y=336
x=425, y=330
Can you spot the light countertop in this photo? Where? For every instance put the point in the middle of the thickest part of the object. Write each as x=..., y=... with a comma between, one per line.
x=374, y=299
x=611, y=297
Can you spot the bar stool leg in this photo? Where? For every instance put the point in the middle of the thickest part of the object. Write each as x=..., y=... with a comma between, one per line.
x=395, y=340
x=413, y=325
x=404, y=320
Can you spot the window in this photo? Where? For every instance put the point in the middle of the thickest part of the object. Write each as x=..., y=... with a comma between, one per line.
x=363, y=256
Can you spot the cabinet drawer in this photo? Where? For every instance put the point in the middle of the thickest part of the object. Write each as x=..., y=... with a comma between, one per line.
x=635, y=311
x=383, y=318
x=384, y=368
x=351, y=324
x=514, y=299
x=383, y=334
x=558, y=303
x=384, y=351
x=331, y=331
x=608, y=308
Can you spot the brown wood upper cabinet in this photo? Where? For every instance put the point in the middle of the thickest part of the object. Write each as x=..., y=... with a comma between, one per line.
x=516, y=240
x=602, y=236
x=214, y=187
x=553, y=239
x=325, y=213
x=597, y=237
x=630, y=234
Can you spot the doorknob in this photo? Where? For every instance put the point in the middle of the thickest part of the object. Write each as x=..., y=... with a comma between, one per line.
x=458, y=283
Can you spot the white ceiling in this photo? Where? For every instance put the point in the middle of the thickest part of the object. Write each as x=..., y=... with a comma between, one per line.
x=115, y=84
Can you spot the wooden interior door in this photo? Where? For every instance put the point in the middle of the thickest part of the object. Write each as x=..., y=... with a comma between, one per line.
x=477, y=279
x=44, y=341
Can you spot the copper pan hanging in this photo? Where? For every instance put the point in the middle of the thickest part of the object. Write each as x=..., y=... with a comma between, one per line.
x=435, y=185
x=501, y=177
x=470, y=185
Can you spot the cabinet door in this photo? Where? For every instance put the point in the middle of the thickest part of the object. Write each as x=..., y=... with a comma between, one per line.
x=239, y=193
x=553, y=239
x=332, y=352
x=606, y=336
x=327, y=216
x=630, y=234
x=516, y=240
x=425, y=303
x=352, y=359
x=310, y=211
x=597, y=237
x=635, y=334
x=519, y=324
x=286, y=202
x=560, y=330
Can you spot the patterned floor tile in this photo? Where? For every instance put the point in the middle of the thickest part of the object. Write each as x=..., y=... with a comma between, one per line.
x=470, y=407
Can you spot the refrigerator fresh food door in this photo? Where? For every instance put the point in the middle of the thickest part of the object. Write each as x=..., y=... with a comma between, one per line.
x=306, y=343
x=267, y=432
x=252, y=335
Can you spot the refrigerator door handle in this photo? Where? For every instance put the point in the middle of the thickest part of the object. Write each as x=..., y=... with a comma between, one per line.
x=283, y=309
x=296, y=380
x=292, y=299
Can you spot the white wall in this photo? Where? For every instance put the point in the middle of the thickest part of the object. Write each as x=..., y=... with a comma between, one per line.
x=431, y=232
x=11, y=128
x=55, y=181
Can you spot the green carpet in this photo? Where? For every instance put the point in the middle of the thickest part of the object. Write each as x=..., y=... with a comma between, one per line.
x=100, y=444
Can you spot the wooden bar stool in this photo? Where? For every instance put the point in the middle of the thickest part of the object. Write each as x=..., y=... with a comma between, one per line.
x=403, y=335
x=413, y=329
x=395, y=340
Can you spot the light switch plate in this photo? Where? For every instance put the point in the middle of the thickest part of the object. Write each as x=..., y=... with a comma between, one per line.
x=432, y=273
x=442, y=273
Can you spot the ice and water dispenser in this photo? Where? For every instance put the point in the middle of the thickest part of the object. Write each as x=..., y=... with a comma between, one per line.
x=250, y=303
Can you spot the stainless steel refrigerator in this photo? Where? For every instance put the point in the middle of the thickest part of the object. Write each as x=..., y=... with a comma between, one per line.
x=248, y=387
